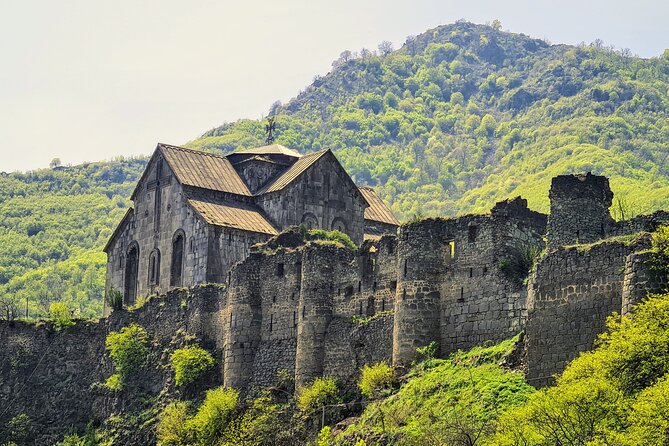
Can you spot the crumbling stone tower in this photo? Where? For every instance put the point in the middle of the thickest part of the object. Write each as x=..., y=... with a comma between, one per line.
x=579, y=209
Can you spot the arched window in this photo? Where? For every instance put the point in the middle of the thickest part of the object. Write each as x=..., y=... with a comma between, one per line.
x=310, y=221
x=154, y=267
x=338, y=224
x=176, y=267
x=130, y=286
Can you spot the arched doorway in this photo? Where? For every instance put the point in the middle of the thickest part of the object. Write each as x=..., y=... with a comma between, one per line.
x=131, y=264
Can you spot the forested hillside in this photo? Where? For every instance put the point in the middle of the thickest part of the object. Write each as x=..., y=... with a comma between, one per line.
x=454, y=120
x=465, y=115
x=53, y=225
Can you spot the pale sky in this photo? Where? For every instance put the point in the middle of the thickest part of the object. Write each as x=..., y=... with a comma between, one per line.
x=86, y=80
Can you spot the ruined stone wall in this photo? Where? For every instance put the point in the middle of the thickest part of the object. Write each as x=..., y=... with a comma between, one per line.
x=323, y=195
x=284, y=297
x=579, y=210
x=351, y=344
x=458, y=281
x=51, y=375
x=641, y=223
x=640, y=280
x=570, y=295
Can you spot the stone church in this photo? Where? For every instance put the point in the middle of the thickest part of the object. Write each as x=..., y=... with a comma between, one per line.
x=196, y=214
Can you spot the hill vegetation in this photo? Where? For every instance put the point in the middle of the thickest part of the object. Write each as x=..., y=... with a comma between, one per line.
x=466, y=115
x=457, y=118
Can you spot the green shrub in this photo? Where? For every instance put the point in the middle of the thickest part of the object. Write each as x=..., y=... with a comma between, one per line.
x=115, y=299
x=207, y=427
x=20, y=428
x=172, y=428
x=660, y=252
x=376, y=380
x=615, y=394
x=89, y=438
x=333, y=236
x=259, y=425
x=114, y=382
x=189, y=363
x=60, y=315
x=322, y=392
x=213, y=415
x=455, y=401
x=127, y=349
x=427, y=353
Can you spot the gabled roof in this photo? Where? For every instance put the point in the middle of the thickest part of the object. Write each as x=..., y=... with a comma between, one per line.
x=199, y=169
x=118, y=229
x=377, y=210
x=273, y=149
x=204, y=170
x=293, y=172
x=235, y=215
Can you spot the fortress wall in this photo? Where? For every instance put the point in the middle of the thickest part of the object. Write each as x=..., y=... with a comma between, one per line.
x=50, y=375
x=479, y=301
x=244, y=322
x=280, y=276
x=641, y=223
x=457, y=284
x=423, y=250
x=579, y=210
x=570, y=295
x=640, y=280
x=322, y=265
x=349, y=345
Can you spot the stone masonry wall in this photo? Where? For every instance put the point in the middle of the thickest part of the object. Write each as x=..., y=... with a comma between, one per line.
x=579, y=210
x=458, y=283
x=140, y=229
x=570, y=295
x=50, y=375
x=640, y=280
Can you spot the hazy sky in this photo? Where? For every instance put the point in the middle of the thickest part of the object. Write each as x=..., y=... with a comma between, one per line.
x=88, y=80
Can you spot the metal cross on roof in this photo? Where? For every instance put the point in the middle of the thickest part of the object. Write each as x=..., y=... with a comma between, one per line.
x=270, y=128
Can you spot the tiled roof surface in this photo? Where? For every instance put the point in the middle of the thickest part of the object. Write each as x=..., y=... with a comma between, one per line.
x=204, y=170
x=233, y=215
x=377, y=210
x=274, y=149
x=293, y=172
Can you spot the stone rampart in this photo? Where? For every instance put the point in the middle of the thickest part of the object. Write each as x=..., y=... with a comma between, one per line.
x=570, y=296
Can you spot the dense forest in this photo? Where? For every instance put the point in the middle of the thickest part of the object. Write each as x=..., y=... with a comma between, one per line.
x=457, y=118
x=53, y=225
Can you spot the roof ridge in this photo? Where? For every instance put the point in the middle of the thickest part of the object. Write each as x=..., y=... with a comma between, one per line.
x=185, y=149
x=309, y=159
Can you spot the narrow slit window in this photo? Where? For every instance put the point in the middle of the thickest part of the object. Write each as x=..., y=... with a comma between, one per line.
x=473, y=233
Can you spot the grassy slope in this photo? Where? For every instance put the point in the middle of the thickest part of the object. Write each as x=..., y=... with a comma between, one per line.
x=444, y=401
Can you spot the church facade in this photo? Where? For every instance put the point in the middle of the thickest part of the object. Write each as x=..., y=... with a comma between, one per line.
x=195, y=214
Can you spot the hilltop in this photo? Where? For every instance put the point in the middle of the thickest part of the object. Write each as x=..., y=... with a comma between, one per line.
x=459, y=117
x=464, y=115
